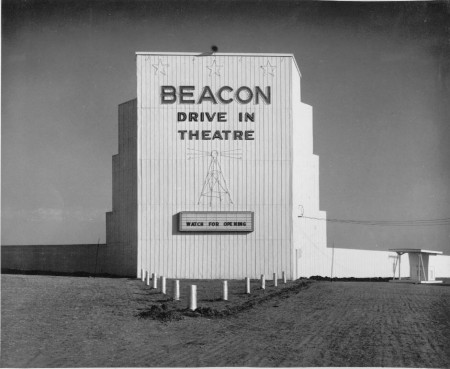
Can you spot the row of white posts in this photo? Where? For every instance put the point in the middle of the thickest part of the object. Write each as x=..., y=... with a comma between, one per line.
x=193, y=290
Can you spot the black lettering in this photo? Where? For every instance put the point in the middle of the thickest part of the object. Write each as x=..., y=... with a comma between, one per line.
x=182, y=133
x=238, y=135
x=219, y=94
x=181, y=117
x=222, y=117
x=168, y=95
x=193, y=117
x=225, y=133
x=249, y=95
x=205, y=135
x=207, y=95
x=210, y=117
x=265, y=97
x=184, y=93
x=249, y=117
x=191, y=135
x=217, y=135
x=249, y=135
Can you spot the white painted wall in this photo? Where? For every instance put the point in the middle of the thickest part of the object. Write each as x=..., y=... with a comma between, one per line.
x=317, y=260
x=441, y=265
x=170, y=183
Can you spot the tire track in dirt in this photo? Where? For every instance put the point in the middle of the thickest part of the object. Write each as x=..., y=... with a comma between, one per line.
x=327, y=327
x=380, y=345
x=63, y=321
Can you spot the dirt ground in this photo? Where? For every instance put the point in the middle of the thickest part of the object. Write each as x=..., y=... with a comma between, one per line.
x=50, y=321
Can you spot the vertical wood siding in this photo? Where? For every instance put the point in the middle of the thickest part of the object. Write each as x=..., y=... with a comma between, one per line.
x=169, y=182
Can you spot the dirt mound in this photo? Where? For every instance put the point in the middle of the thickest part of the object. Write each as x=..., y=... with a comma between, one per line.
x=168, y=310
x=350, y=279
x=161, y=313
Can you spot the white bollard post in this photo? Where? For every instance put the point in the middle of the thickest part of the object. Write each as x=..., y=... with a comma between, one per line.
x=154, y=281
x=284, y=278
x=263, y=281
x=142, y=275
x=275, y=280
x=147, y=278
x=247, y=285
x=225, y=291
x=193, y=298
x=163, y=285
x=176, y=290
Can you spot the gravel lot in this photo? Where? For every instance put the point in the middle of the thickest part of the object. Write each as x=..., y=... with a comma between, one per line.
x=50, y=321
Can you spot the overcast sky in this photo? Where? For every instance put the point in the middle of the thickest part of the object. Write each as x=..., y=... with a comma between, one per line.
x=376, y=74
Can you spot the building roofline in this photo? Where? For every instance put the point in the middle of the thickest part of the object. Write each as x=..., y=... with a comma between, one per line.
x=287, y=55
x=128, y=101
x=212, y=54
x=417, y=251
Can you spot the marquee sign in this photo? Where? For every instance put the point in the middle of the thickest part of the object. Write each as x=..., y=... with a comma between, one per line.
x=216, y=221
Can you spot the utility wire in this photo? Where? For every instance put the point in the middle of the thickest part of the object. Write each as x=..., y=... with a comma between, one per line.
x=390, y=223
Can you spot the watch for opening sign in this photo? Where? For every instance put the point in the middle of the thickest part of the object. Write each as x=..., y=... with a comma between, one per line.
x=216, y=221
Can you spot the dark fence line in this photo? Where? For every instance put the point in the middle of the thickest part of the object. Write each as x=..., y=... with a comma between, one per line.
x=73, y=260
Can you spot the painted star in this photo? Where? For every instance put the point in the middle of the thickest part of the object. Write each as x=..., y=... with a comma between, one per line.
x=268, y=69
x=160, y=67
x=214, y=68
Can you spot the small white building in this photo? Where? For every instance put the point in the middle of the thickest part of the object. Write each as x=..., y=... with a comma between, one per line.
x=422, y=266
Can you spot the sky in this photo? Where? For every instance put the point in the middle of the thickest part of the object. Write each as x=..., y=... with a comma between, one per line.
x=376, y=74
